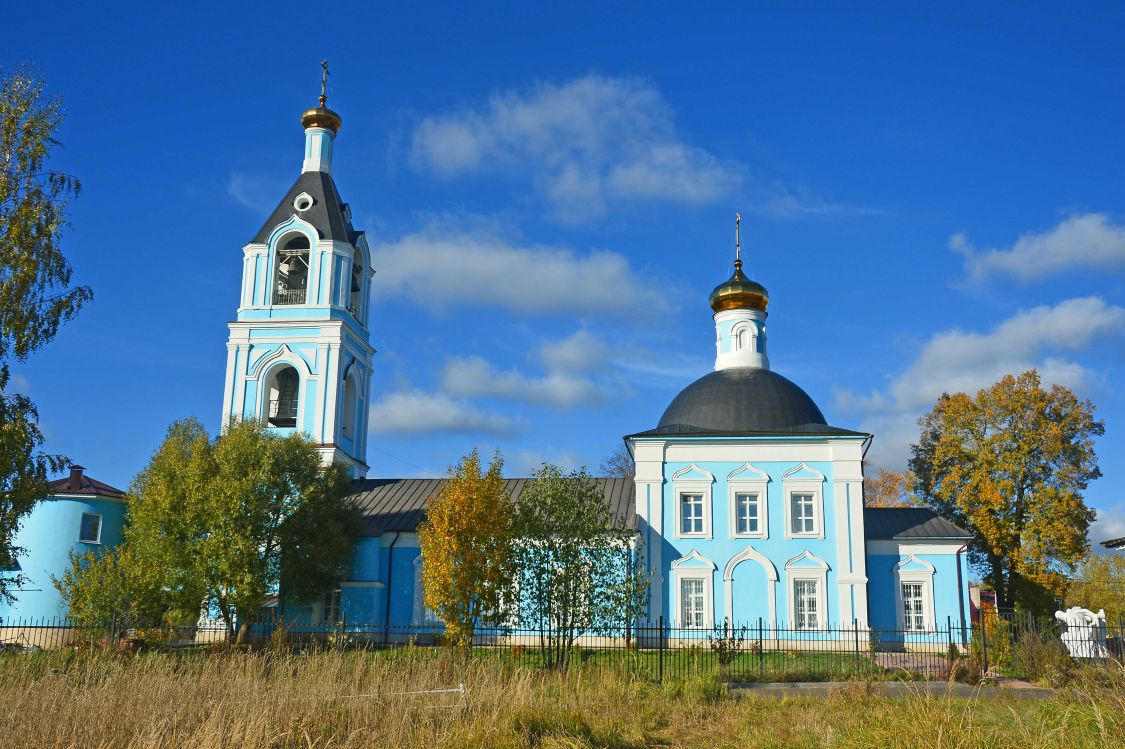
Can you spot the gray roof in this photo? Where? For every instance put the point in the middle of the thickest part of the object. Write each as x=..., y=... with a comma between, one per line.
x=326, y=213
x=390, y=505
x=744, y=400
x=913, y=523
x=1114, y=543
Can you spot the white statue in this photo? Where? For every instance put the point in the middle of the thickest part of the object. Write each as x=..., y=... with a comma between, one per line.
x=1085, y=632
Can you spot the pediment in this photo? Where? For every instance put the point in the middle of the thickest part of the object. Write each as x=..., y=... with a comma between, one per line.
x=693, y=559
x=806, y=560
x=748, y=472
x=693, y=473
x=802, y=472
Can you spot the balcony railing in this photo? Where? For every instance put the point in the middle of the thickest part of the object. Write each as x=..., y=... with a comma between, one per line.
x=283, y=412
x=289, y=296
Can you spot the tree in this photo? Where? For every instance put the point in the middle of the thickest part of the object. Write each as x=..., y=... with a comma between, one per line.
x=35, y=292
x=466, y=543
x=228, y=522
x=576, y=563
x=889, y=489
x=1010, y=465
x=620, y=464
x=1099, y=583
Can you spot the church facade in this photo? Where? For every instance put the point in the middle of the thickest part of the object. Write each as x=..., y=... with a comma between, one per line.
x=749, y=503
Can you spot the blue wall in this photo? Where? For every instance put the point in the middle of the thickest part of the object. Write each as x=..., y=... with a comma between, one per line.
x=950, y=589
x=49, y=535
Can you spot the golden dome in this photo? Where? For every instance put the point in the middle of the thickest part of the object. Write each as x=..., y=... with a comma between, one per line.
x=739, y=292
x=321, y=116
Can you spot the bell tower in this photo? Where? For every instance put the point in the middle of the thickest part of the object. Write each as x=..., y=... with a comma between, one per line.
x=298, y=356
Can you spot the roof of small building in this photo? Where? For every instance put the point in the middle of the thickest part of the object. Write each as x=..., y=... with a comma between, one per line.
x=1114, y=543
x=79, y=483
x=899, y=523
x=390, y=505
x=742, y=400
x=326, y=213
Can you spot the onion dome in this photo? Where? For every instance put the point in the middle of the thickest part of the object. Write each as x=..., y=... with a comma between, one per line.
x=739, y=292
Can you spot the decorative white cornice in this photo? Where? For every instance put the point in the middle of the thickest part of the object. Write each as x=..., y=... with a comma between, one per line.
x=693, y=556
x=927, y=567
x=748, y=472
x=682, y=474
x=750, y=553
x=807, y=555
x=803, y=467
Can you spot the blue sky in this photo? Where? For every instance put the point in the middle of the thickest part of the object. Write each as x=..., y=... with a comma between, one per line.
x=933, y=198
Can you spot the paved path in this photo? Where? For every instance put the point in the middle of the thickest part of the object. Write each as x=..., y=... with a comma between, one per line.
x=1007, y=689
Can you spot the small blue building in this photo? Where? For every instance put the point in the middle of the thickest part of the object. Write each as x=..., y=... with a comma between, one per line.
x=80, y=514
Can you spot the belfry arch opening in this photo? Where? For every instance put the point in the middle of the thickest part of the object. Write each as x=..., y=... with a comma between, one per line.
x=292, y=270
x=356, y=298
x=284, y=392
x=348, y=413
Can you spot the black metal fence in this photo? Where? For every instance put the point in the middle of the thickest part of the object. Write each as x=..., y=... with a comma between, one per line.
x=754, y=651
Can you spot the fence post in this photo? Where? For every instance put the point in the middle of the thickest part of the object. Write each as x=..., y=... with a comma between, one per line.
x=949, y=635
x=761, y=647
x=855, y=633
x=984, y=639
x=660, y=635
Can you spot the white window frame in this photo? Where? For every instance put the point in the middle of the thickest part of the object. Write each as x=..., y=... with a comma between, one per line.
x=924, y=576
x=337, y=592
x=82, y=521
x=747, y=479
x=694, y=566
x=683, y=482
x=423, y=616
x=817, y=572
x=804, y=485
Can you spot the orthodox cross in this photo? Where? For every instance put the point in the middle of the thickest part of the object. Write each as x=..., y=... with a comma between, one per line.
x=737, y=238
x=324, y=83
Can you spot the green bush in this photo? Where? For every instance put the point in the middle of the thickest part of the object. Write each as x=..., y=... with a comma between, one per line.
x=1042, y=657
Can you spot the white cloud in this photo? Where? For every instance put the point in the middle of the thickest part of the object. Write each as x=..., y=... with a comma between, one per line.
x=798, y=205
x=473, y=376
x=1088, y=241
x=584, y=144
x=416, y=412
x=443, y=267
x=1109, y=524
x=527, y=462
x=959, y=361
x=256, y=193
x=580, y=352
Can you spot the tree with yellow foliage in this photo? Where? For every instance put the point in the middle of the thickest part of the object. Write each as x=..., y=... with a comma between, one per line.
x=1010, y=465
x=889, y=489
x=466, y=542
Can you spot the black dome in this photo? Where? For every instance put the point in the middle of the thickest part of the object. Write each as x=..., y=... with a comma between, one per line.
x=742, y=399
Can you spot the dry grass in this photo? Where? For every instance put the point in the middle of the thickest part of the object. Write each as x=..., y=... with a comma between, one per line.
x=255, y=701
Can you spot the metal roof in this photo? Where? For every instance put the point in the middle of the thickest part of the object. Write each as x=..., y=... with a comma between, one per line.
x=390, y=505
x=1114, y=543
x=79, y=483
x=898, y=523
x=326, y=213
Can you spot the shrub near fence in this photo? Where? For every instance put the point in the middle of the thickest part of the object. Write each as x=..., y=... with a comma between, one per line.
x=737, y=653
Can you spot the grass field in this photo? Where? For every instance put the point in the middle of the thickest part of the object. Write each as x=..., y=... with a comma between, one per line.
x=77, y=700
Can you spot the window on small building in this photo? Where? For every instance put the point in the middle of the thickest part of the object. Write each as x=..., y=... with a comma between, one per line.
x=805, y=604
x=802, y=513
x=330, y=613
x=691, y=602
x=284, y=394
x=356, y=297
x=913, y=608
x=292, y=271
x=90, y=531
x=746, y=508
x=691, y=513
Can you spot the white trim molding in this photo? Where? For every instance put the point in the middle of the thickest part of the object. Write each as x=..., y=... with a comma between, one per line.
x=750, y=553
x=747, y=479
x=925, y=576
x=812, y=483
x=816, y=570
x=693, y=480
x=694, y=566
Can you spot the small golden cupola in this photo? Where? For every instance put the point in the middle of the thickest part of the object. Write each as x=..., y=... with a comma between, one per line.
x=738, y=291
x=321, y=115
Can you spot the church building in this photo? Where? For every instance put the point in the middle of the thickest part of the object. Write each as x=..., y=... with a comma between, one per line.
x=749, y=503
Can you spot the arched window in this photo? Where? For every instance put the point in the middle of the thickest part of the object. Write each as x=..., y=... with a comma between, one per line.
x=347, y=426
x=356, y=298
x=284, y=392
x=742, y=342
x=292, y=270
